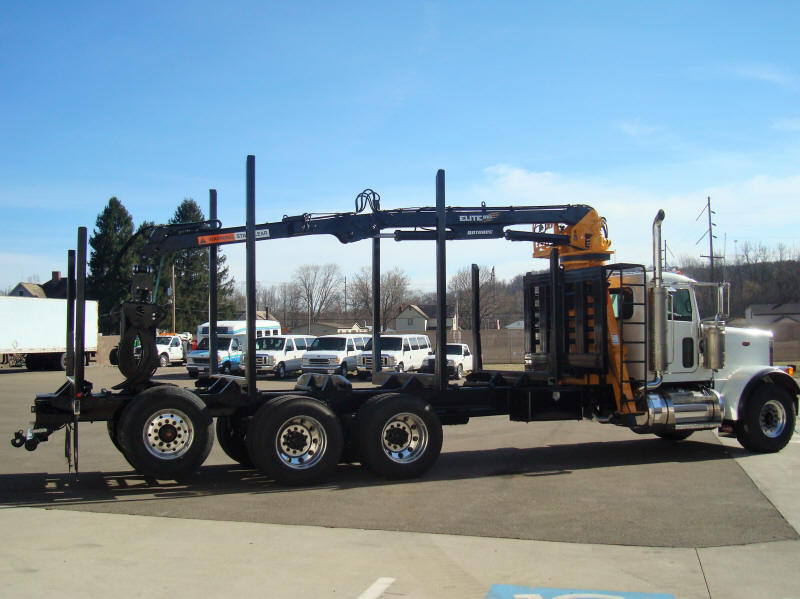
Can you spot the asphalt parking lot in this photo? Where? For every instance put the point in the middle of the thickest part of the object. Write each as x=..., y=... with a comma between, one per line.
x=592, y=491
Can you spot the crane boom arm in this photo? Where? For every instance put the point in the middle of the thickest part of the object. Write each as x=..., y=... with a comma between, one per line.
x=409, y=223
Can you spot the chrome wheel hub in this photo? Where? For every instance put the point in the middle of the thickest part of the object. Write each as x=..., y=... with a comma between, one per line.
x=772, y=418
x=404, y=438
x=301, y=442
x=168, y=434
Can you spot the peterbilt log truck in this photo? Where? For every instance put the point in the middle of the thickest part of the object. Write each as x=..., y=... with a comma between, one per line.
x=609, y=342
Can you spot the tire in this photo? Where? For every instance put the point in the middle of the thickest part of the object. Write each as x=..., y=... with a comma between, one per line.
x=280, y=371
x=163, y=360
x=113, y=433
x=674, y=435
x=61, y=361
x=343, y=369
x=226, y=368
x=398, y=436
x=401, y=367
x=295, y=439
x=232, y=437
x=459, y=372
x=768, y=421
x=165, y=432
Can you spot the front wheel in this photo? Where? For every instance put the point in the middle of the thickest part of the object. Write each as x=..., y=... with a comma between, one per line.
x=226, y=368
x=166, y=432
x=295, y=439
x=163, y=360
x=280, y=371
x=459, y=372
x=768, y=421
x=399, y=436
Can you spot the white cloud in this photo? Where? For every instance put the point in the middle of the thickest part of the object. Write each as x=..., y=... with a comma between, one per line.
x=766, y=72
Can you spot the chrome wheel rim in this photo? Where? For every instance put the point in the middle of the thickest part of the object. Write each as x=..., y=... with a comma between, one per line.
x=404, y=438
x=301, y=442
x=168, y=434
x=772, y=418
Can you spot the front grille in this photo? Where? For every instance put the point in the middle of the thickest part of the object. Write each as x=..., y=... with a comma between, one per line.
x=199, y=360
x=318, y=361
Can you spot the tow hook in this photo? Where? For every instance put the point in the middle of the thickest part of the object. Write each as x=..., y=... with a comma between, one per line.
x=30, y=441
x=19, y=439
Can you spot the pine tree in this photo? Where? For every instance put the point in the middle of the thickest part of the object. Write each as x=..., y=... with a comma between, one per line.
x=191, y=277
x=109, y=273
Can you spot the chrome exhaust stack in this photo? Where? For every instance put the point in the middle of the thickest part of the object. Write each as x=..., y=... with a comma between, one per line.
x=658, y=332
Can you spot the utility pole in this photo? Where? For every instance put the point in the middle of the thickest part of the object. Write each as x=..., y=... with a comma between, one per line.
x=174, y=330
x=710, y=233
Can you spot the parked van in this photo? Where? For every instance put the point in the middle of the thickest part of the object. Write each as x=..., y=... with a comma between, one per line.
x=231, y=343
x=337, y=354
x=279, y=355
x=398, y=352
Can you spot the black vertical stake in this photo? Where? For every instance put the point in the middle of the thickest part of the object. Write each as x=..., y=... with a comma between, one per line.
x=376, y=305
x=251, y=278
x=212, y=289
x=477, y=353
x=80, y=340
x=70, y=366
x=441, y=274
x=80, y=311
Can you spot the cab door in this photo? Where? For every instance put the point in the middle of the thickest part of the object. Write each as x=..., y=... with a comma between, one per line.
x=292, y=356
x=682, y=327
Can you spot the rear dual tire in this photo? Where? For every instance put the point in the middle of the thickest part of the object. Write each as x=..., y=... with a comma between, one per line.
x=165, y=432
x=398, y=436
x=295, y=439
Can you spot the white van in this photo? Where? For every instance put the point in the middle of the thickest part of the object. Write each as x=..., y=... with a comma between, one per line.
x=231, y=343
x=398, y=352
x=331, y=354
x=279, y=355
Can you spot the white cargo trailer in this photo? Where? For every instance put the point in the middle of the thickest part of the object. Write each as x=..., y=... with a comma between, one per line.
x=36, y=328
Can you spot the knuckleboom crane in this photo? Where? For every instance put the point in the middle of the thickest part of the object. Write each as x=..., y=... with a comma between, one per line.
x=577, y=230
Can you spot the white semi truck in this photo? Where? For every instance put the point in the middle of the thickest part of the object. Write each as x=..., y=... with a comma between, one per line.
x=36, y=328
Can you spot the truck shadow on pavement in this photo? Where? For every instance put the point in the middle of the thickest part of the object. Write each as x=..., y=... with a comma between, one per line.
x=45, y=489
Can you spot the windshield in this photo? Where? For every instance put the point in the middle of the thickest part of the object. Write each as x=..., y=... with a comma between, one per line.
x=328, y=343
x=163, y=340
x=222, y=343
x=387, y=343
x=453, y=350
x=270, y=343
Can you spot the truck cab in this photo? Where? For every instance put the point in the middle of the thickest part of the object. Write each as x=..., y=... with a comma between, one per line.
x=172, y=348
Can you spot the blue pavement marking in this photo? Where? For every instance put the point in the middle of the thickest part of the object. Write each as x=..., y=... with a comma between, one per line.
x=507, y=591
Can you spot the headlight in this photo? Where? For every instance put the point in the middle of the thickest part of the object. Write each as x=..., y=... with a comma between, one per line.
x=334, y=360
x=269, y=360
x=390, y=360
x=450, y=363
x=243, y=360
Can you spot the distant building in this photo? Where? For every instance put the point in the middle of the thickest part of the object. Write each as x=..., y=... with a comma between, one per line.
x=423, y=318
x=767, y=314
x=327, y=327
x=55, y=288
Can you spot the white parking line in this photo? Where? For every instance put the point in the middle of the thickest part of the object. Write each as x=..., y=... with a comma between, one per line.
x=377, y=588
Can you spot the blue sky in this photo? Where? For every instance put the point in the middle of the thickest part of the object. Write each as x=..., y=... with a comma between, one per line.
x=626, y=106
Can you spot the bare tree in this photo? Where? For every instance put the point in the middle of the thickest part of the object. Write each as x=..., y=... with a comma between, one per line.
x=267, y=297
x=394, y=294
x=319, y=288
